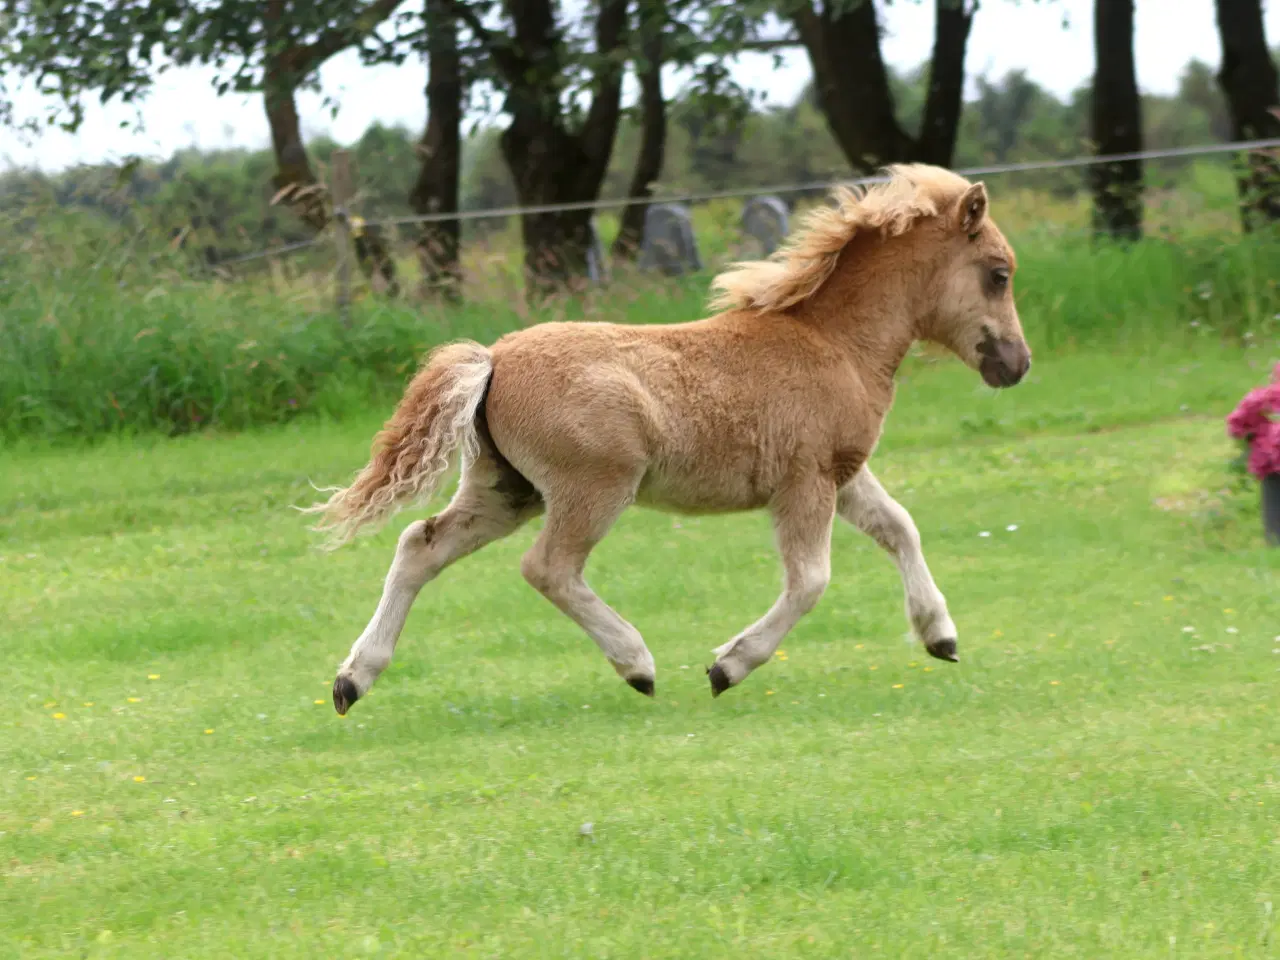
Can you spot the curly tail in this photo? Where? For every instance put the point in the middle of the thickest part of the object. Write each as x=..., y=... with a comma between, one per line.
x=436, y=416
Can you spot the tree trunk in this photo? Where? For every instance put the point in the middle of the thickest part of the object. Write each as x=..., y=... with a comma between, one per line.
x=550, y=166
x=653, y=129
x=292, y=167
x=286, y=66
x=1248, y=78
x=937, y=141
x=436, y=189
x=1116, y=122
x=549, y=162
x=852, y=84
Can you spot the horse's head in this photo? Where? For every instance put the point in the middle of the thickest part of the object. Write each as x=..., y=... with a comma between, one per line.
x=974, y=314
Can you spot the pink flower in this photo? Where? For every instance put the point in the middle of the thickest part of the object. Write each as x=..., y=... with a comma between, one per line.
x=1251, y=421
x=1251, y=415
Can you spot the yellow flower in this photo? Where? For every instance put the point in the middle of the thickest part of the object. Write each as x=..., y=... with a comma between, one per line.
x=1168, y=599
x=319, y=702
x=768, y=693
x=897, y=686
x=139, y=779
x=77, y=813
x=210, y=730
x=1228, y=610
x=928, y=669
x=858, y=646
x=135, y=699
x=1053, y=634
x=781, y=653
x=997, y=633
x=30, y=778
x=153, y=676
x=873, y=667
x=88, y=703
x=59, y=716
x=1053, y=683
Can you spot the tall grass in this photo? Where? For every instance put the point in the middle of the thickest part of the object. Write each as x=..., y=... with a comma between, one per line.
x=104, y=332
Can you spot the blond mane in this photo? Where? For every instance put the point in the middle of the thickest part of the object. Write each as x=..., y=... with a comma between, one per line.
x=796, y=271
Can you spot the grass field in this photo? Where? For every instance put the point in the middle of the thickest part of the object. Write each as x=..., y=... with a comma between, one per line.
x=1099, y=776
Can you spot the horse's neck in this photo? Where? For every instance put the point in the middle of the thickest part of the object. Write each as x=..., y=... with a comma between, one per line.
x=873, y=341
x=867, y=309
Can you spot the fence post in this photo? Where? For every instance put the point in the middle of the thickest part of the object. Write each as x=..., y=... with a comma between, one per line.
x=343, y=189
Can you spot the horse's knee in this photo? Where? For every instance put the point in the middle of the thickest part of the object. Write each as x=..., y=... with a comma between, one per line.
x=808, y=587
x=536, y=571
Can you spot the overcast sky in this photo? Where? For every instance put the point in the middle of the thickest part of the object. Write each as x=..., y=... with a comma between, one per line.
x=1052, y=41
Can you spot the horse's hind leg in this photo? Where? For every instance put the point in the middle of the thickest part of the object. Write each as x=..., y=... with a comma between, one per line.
x=492, y=501
x=864, y=503
x=576, y=521
x=802, y=519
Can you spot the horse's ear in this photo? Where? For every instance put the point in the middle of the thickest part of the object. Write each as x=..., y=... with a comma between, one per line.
x=972, y=209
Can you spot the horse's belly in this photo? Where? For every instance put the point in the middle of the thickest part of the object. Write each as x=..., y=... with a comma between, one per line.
x=697, y=491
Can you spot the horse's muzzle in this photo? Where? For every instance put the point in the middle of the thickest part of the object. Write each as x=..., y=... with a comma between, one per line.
x=1004, y=362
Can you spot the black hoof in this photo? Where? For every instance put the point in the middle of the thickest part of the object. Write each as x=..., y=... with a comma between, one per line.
x=643, y=684
x=943, y=650
x=719, y=680
x=344, y=695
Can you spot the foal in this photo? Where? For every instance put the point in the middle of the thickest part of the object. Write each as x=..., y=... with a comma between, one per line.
x=776, y=401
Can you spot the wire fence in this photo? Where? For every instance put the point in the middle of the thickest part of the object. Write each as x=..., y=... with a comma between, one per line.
x=743, y=193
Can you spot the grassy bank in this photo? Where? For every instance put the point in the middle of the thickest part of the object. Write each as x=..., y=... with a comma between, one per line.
x=92, y=349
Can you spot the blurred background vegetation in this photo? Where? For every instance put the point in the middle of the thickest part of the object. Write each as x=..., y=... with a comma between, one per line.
x=222, y=198
x=123, y=307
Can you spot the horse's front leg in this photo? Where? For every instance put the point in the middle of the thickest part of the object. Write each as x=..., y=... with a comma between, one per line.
x=802, y=518
x=864, y=503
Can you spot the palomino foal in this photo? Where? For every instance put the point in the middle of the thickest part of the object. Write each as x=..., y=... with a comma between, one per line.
x=775, y=402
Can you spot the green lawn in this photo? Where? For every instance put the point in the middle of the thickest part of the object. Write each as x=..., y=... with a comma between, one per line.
x=1099, y=776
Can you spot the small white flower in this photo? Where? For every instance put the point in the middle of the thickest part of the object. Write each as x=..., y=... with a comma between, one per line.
x=1012, y=527
x=1188, y=629
x=1232, y=630
x=984, y=533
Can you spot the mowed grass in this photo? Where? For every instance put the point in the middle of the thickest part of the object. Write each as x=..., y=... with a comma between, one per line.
x=1099, y=776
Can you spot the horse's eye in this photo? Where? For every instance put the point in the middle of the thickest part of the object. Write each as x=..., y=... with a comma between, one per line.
x=1000, y=277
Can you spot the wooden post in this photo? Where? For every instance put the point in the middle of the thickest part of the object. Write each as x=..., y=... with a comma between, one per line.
x=343, y=188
